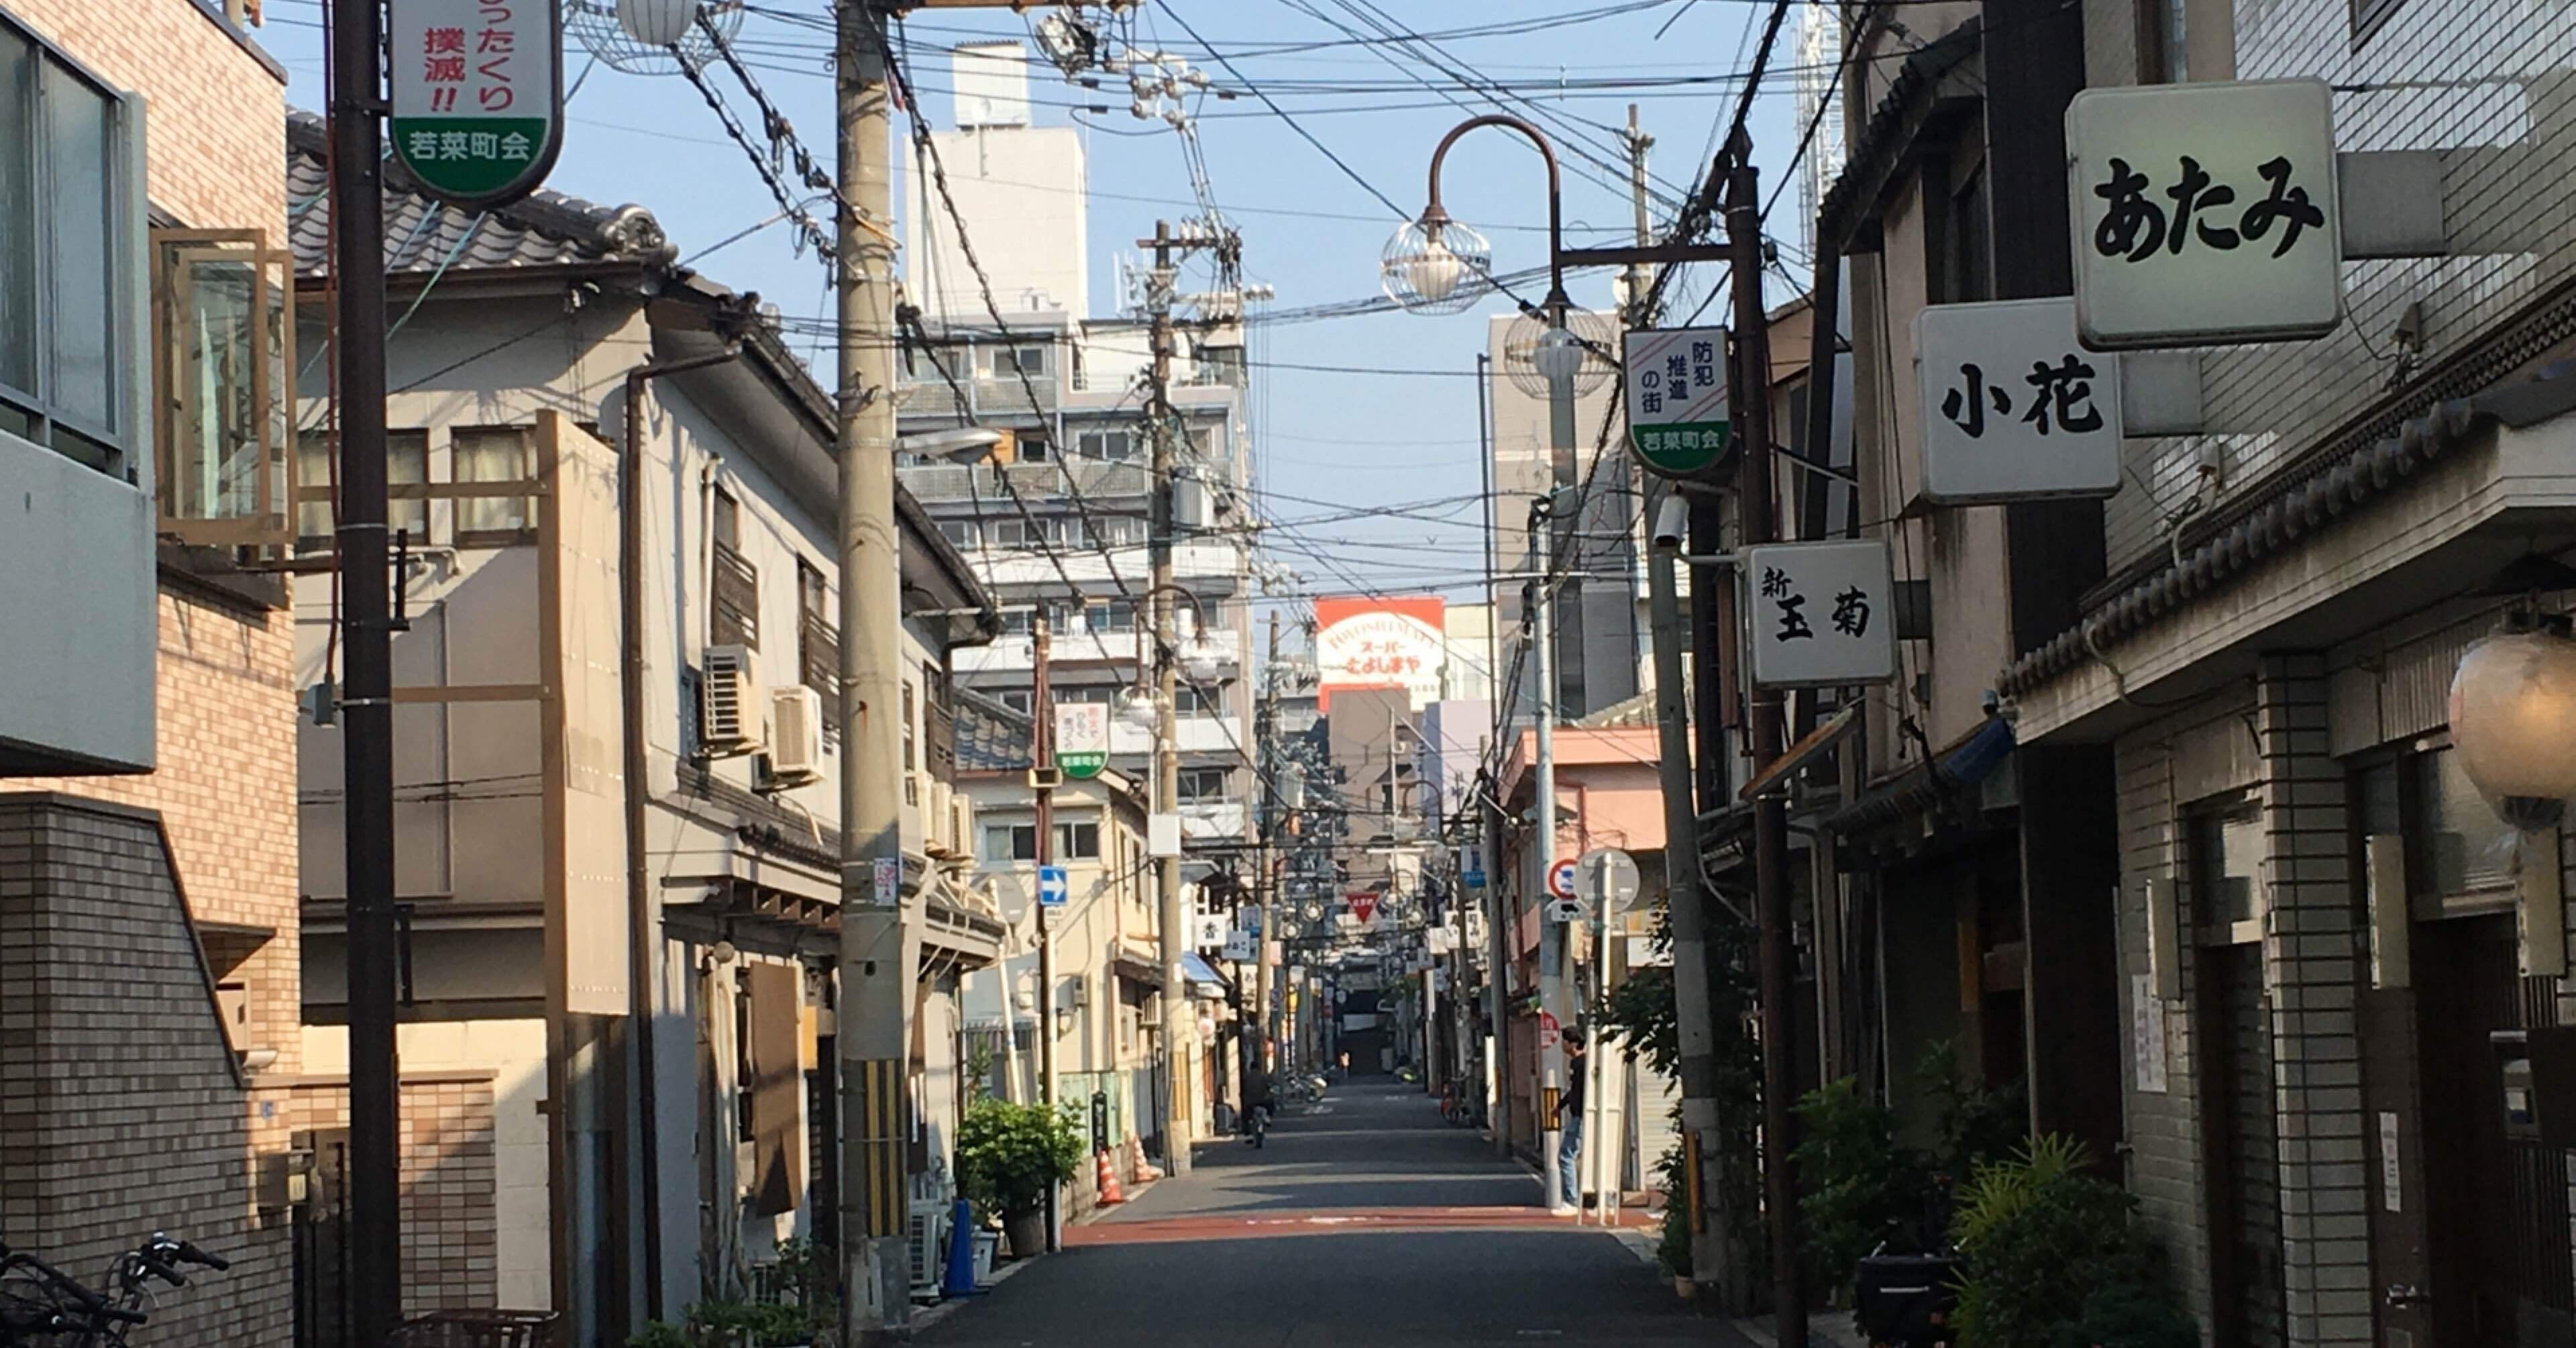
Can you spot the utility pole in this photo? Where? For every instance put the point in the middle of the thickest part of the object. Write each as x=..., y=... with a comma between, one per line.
x=1551, y=934
x=1641, y=277
x=876, y=950
x=1265, y=740
x=1751, y=406
x=1179, y=1111
x=366, y=694
x=1042, y=708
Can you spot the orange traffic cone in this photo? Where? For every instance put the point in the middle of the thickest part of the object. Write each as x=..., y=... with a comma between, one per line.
x=1136, y=1157
x=1112, y=1192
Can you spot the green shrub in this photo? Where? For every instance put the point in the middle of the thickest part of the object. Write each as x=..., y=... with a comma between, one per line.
x=1673, y=1244
x=1862, y=1190
x=659, y=1334
x=1009, y=1155
x=2052, y=1257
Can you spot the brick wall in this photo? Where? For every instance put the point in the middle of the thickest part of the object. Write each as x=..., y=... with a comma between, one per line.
x=450, y=1218
x=217, y=116
x=122, y=1113
x=2479, y=80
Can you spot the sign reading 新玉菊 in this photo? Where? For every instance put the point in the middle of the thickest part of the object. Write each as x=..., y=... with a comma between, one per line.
x=2014, y=408
x=2204, y=213
x=1676, y=395
x=1820, y=614
x=477, y=106
x=1081, y=738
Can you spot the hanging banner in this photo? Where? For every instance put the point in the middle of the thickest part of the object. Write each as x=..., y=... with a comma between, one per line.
x=477, y=95
x=2014, y=407
x=1081, y=738
x=1677, y=415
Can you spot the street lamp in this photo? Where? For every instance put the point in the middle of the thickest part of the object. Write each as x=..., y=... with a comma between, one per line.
x=958, y=444
x=2513, y=718
x=1436, y=265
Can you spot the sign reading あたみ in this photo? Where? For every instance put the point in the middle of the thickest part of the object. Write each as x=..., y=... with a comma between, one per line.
x=2014, y=409
x=1380, y=643
x=477, y=106
x=1820, y=614
x=2205, y=213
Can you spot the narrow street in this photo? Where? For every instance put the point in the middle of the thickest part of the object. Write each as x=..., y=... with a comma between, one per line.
x=1366, y=1220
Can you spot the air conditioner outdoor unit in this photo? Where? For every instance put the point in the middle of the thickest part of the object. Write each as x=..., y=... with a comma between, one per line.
x=731, y=712
x=795, y=738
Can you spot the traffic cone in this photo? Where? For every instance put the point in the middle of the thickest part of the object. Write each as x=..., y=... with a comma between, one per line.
x=1136, y=1157
x=1112, y=1192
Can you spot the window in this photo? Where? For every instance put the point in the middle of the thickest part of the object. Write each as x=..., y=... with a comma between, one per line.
x=911, y=734
x=67, y=223
x=1077, y=842
x=2226, y=858
x=406, y=460
x=1094, y=692
x=1015, y=621
x=1203, y=441
x=818, y=645
x=733, y=590
x=1120, y=531
x=1017, y=699
x=1010, y=842
x=1963, y=263
x=1200, y=786
x=1189, y=699
x=1007, y=534
x=2466, y=849
x=1010, y=362
x=1111, y=615
x=1061, y=613
x=2369, y=16
x=959, y=533
x=492, y=454
x=1117, y=446
x=938, y=722
x=223, y=356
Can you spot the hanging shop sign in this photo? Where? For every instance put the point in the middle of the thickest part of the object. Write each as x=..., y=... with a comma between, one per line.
x=477, y=95
x=1676, y=399
x=1820, y=614
x=1081, y=738
x=2014, y=407
x=2205, y=213
x=1380, y=642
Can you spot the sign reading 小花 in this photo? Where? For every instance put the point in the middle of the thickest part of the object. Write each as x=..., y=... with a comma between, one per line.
x=1676, y=396
x=477, y=95
x=1081, y=738
x=1820, y=615
x=2014, y=407
x=2205, y=213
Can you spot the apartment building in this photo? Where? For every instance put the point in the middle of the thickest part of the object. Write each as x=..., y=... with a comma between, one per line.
x=148, y=937
x=617, y=750
x=1057, y=521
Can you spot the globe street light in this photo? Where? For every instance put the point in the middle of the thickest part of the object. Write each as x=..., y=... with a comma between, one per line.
x=1436, y=265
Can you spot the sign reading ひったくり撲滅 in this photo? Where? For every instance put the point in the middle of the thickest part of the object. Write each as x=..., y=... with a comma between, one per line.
x=477, y=95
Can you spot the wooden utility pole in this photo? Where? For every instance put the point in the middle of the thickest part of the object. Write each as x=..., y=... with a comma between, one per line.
x=1043, y=772
x=1179, y=1112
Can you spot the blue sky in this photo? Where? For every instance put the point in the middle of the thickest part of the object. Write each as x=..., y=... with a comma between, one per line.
x=1330, y=442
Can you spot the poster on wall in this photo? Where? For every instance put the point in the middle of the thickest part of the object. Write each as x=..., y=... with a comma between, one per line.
x=1380, y=643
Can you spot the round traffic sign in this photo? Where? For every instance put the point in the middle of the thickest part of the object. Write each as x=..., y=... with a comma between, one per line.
x=1009, y=896
x=1608, y=879
x=1547, y=1029
x=1560, y=878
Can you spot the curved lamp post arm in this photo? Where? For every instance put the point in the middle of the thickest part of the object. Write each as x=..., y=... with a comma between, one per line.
x=1434, y=213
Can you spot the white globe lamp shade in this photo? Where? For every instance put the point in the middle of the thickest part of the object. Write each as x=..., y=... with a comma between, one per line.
x=2513, y=722
x=659, y=23
x=1558, y=356
x=1435, y=266
x=1137, y=708
x=1202, y=659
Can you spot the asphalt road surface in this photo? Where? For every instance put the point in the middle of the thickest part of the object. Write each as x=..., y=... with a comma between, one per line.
x=1366, y=1221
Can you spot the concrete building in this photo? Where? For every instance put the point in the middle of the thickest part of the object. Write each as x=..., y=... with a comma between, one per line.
x=148, y=938
x=619, y=858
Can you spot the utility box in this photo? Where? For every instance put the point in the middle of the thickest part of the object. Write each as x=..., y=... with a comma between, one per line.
x=2536, y=1072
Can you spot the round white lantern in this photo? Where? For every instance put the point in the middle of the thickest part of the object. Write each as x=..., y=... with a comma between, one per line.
x=659, y=23
x=2513, y=723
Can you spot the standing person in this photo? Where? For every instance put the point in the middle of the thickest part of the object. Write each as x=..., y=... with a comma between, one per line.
x=1569, y=1120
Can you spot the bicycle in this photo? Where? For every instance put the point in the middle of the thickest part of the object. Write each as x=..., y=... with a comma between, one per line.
x=43, y=1307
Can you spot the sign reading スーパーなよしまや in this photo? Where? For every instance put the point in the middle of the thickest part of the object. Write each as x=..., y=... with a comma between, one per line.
x=2205, y=213
x=477, y=107
x=1820, y=614
x=2014, y=408
x=1676, y=396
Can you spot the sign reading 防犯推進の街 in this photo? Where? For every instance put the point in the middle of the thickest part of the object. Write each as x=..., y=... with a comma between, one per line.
x=477, y=95
x=1819, y=615
x=2014, y=407
x=1676, y=395
x=2205, y=213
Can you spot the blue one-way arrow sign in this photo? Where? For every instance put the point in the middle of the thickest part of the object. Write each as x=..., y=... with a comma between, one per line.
x=1053, y=888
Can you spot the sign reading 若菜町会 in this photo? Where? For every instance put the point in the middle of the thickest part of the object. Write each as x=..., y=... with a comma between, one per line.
x=477, y=95
x=2204, y=213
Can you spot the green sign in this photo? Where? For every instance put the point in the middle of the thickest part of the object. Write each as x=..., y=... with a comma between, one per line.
x=1676, y=396
x=477, y=95
x=1081, y=738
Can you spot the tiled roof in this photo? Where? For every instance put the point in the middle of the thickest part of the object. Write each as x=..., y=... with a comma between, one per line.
x=990, y=737
x=546, y=229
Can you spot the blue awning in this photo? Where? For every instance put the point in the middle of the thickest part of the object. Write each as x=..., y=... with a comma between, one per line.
x=1198, y=970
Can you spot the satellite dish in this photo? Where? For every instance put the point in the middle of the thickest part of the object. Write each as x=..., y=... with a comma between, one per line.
x=1597, y=332
x=1010, y=897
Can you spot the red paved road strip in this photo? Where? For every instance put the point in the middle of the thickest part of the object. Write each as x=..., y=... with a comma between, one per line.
x=1324, y=1223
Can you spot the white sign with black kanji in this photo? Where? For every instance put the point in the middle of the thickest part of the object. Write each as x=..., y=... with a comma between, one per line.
x=2205, y=213
x=1820, y=614
x=2014, y=407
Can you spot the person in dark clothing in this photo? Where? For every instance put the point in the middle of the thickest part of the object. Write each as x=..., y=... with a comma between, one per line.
x=1259, y=1104
x=1569, y=1119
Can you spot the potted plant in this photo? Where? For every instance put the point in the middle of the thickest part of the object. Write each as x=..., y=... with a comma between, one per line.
x=1010, y=1157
